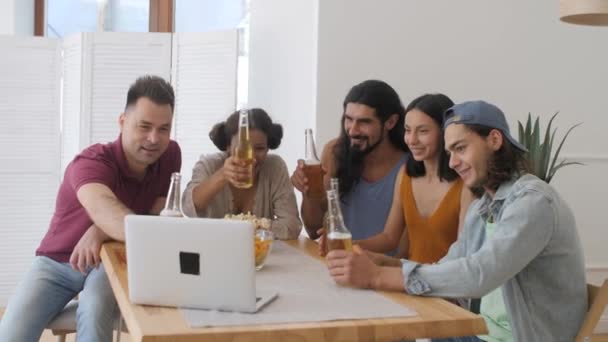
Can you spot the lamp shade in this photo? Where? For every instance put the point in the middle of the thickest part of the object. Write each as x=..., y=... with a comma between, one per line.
x=584, y=12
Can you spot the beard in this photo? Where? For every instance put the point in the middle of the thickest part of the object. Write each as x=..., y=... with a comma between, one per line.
x=355, y=156
x=350, y=161
x=357, y=152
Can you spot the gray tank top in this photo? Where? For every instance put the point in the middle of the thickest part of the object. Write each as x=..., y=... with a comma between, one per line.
x=368, y=204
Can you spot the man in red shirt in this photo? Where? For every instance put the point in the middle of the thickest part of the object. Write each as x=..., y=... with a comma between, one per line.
x=102, y=185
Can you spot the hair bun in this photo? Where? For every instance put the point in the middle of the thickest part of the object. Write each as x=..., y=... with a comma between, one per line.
x=275, y=136
x=218, y=136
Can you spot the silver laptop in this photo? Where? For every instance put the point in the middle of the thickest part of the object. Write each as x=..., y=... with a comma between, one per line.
x=193, y=263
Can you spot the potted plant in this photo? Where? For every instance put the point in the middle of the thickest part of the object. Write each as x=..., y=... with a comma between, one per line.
x=543, y=162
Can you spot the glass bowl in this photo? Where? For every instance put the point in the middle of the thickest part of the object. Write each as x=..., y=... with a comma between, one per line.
x=263, y=245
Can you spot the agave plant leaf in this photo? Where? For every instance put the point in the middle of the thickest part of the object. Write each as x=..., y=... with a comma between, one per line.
x=541, y=157
x=550, y=151
x=546, y=147
x=535, y=151
x=528, y=130
x=559, y=166
x=521, y=137
x=552, y=140
x=559, y=148
x=542, y=164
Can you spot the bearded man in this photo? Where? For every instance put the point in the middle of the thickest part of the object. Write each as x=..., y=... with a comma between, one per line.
x=365, y=159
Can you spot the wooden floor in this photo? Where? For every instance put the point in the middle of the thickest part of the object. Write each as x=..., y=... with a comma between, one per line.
x=47, y=336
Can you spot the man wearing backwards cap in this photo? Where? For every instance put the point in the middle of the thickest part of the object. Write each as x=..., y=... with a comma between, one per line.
x=519, y=250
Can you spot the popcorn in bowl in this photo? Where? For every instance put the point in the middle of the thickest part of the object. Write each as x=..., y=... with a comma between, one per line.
x=263, y=236
x=258, y=223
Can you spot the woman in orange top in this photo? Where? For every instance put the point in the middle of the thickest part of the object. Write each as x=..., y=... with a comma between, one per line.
x=429, y=200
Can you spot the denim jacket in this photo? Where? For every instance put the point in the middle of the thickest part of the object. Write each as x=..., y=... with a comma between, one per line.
x=535, y=255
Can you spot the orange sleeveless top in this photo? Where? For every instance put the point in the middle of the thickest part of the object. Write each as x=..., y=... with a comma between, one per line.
x=430, y=237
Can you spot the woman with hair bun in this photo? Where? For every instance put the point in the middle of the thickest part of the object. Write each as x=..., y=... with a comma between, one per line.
x=213, y=190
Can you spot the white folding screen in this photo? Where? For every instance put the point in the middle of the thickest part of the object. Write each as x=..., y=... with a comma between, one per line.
x=30, y=71
x=204, y=73
x=114, y=61
x=100, y=67
x=71, y=100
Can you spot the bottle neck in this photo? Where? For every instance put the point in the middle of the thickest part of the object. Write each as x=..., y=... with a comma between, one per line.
x=311, y=151
x=244, y=133
x=334, y=185
x=175, y=195
x=244, y=126
x=336, y=221
x=173, y=204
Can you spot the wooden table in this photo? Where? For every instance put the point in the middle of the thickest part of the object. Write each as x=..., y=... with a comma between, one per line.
x=436, y=317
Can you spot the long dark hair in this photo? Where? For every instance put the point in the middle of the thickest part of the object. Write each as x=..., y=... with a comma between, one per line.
x=504, y=164
x=432, y=105
x=222, y=132
x=385, y=101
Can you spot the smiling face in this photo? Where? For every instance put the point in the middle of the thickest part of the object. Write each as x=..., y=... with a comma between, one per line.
x=422, y=135
x=146, y=128
x=362, y=126
x=470, y=153
x=364, y=129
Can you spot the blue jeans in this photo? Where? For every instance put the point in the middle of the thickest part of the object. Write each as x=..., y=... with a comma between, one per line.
x=46, y=289
x=458, y=339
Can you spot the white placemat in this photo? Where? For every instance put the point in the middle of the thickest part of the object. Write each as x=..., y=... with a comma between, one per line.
x=306, y=294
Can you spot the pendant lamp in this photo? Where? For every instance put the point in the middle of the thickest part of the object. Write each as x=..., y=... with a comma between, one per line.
x=584, y=12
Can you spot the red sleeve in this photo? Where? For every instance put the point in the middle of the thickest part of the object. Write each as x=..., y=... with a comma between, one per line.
x=85, y=170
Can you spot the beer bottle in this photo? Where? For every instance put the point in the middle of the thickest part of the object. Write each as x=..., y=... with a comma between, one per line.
x=243, y=151
x=333, y=185
x=338, y=236
x=312, y=167
x=173, y=204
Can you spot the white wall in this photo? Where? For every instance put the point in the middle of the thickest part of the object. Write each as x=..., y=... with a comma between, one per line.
x=282, y=72
x=17, y=17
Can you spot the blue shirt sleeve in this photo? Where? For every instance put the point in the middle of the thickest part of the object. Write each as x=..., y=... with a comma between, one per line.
x=522, y=232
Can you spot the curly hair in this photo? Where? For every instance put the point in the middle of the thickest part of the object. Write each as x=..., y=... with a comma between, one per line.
x=222, y=132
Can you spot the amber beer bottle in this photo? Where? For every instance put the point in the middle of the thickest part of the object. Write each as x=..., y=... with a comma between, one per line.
x=338, y=236
x=243, y=151
x=312, y=167
x=173, y=204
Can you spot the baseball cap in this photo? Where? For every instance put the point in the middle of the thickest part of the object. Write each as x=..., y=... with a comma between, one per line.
x=480, y=113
